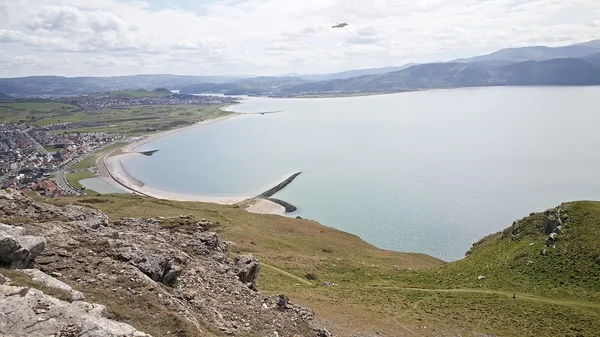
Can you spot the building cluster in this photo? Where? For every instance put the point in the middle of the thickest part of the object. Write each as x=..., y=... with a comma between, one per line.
x=29, y=156
x=98, y=102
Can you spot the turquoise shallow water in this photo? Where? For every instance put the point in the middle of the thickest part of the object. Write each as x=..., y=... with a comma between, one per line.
x=429, y=172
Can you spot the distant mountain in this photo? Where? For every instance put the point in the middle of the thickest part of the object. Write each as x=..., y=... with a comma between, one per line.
x=4, y=97
x=568, y=71
x=247, y=86
x=594, y=60
x=575, y=64
x=354, y=73
x=56, y=85
x=565, y=71
x=539, y=53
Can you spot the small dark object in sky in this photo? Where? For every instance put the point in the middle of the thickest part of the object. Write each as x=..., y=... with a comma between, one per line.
x=340, y=25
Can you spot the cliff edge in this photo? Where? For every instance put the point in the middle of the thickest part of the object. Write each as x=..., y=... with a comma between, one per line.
x=68, y=271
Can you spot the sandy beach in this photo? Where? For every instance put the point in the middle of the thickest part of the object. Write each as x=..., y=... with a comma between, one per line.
x=112, y=170
x=264, y=206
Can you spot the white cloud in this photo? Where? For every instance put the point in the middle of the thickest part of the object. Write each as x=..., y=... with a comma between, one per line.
x=273, y=36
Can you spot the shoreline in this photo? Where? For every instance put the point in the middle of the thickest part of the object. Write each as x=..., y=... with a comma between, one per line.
x=112, y=171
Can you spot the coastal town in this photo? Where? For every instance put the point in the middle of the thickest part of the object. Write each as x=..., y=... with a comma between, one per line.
x=41, y=139
x=30, y=157
x=147, y=98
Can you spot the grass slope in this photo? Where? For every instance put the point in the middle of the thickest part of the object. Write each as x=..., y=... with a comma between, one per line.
x=400, y=294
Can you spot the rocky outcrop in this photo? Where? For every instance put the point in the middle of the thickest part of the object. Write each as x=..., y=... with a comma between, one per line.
x=16, y=249
x=30, y=312
x=176, y=265
x=39, y=276
x=247, y=270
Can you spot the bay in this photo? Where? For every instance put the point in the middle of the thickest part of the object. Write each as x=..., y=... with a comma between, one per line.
x=429, y=172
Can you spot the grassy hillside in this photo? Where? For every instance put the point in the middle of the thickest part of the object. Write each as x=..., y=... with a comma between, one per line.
x=354, y=286
x=516, y=264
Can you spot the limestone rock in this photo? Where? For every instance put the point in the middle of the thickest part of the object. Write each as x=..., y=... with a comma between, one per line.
x=17, y=250
x=248, y=269
x=4, y=280
x=29, y=312
x=92, y=308
x=12, y=230
x=41, y=277
x=322, y=332
x=128, y=259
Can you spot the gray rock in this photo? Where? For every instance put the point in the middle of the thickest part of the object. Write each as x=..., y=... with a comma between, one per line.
x=161, y=269
x=551, y=221
x=41, y=277
x=322, y=332
x=92, y=308
x=4, y=280
x=283, y=302
x=248, y=268
x=29, y=312
x=19, y=251
x=12, y=230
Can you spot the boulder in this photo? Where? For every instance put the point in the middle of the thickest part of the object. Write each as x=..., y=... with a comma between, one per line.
x=17, y=250
x=248, y=268
x=30, y=312
x=283, y=302
x=550, y=221
x=160, y=269
x=322, y=332
x=4, y=280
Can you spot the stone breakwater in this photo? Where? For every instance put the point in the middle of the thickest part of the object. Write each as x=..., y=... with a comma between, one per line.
x=177, y=267
x=272, y=191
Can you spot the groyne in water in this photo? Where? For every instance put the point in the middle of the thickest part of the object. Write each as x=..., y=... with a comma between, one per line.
x=289, y=208
x=148, y=153
x=270, y=192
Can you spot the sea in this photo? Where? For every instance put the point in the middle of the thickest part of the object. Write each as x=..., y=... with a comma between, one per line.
x=429, y=172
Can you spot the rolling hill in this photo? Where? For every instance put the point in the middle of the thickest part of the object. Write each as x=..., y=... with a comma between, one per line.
x=4, y=97
x=539, y=53
x=568, y=71
x=594, y=60
x=57, y=85
x=538, y=65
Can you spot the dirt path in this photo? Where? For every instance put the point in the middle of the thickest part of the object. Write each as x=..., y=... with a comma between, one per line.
x=519, y=296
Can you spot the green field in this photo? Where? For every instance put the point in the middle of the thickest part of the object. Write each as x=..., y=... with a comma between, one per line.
x=401, y=293
x=74, y=179
x=134, y=120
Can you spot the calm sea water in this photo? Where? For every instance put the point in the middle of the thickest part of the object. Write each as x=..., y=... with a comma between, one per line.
x=428, y=172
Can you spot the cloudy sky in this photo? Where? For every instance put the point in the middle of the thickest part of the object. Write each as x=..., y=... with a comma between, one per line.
x=267, y=37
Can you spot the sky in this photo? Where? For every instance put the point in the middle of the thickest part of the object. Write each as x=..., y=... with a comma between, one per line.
x=272, y=37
